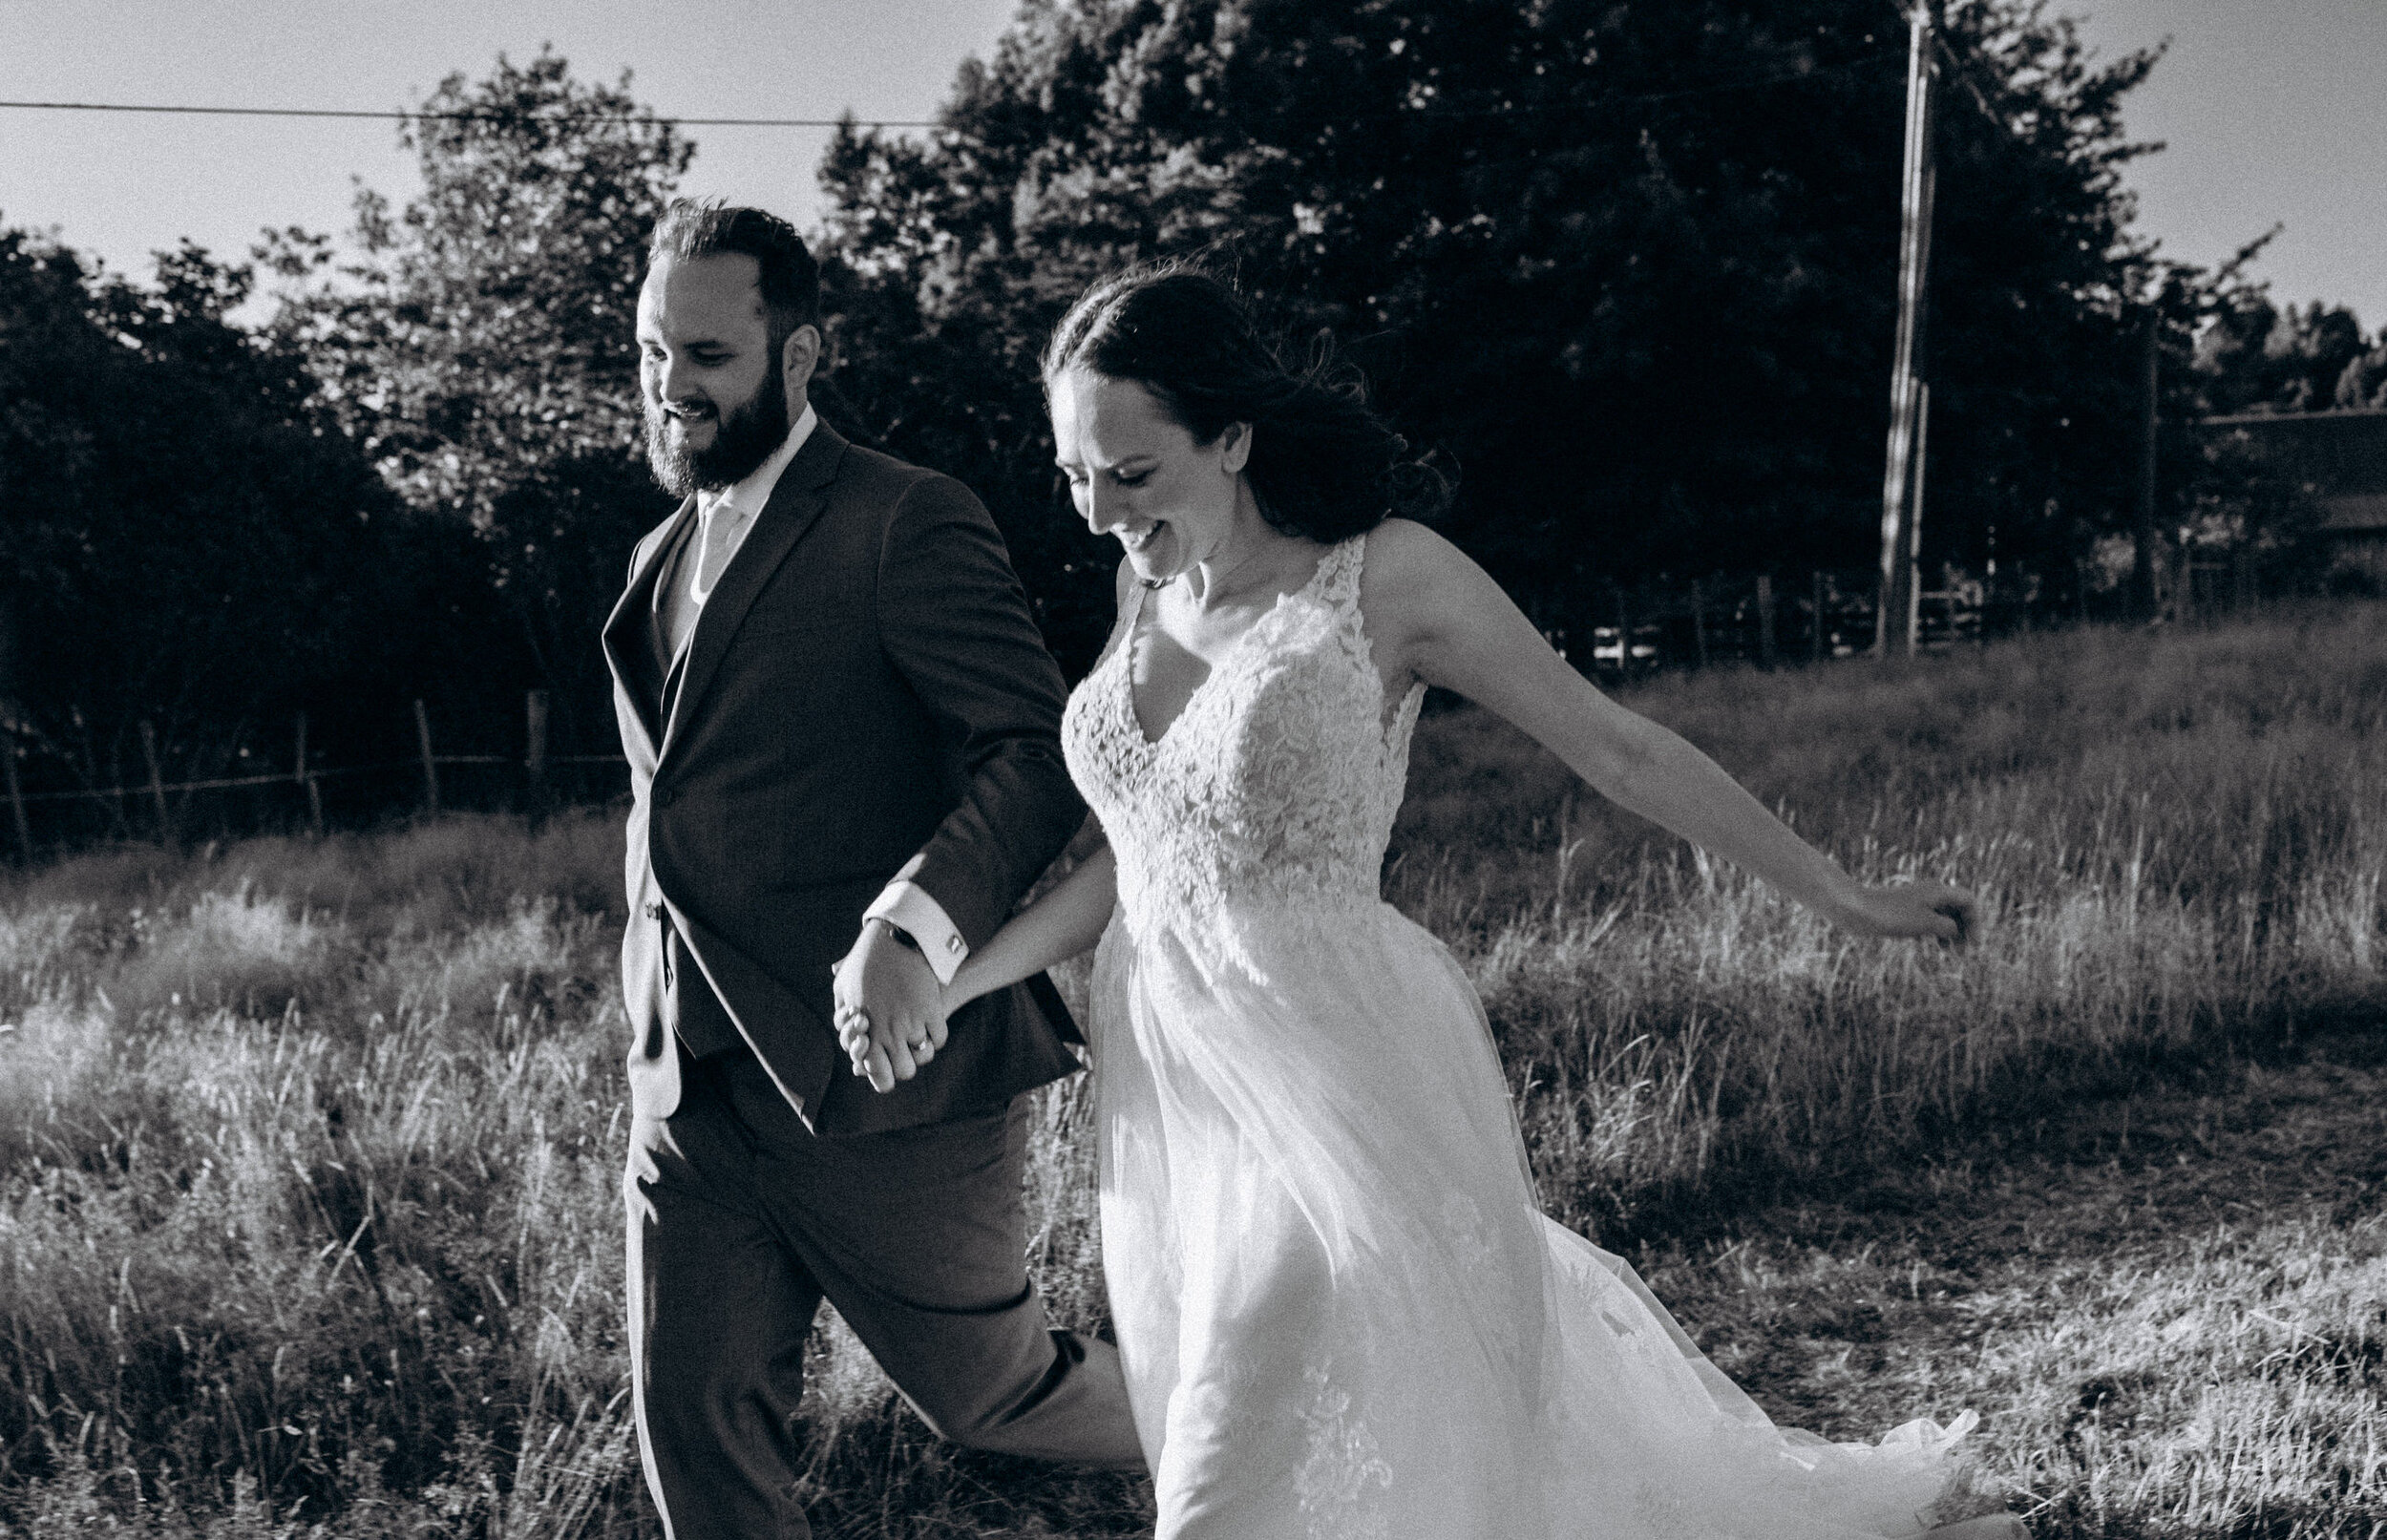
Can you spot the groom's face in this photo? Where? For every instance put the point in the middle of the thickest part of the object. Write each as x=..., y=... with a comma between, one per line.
x=714, y=389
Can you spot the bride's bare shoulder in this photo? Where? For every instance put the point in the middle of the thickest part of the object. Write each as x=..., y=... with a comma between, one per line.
x=1409, y=568
x=1402, y=553
x=1409, y=574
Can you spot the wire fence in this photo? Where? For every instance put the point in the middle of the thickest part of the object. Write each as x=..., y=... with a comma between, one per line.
x=1638, y=632
x=162, y=808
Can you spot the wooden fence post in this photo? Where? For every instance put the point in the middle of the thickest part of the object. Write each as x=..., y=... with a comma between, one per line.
x=534, y=753
x=16, y=800
x=306, y=778
x=157, y=783
x=1698, y=620
x=1765, y=621
x=1820, y=622
x=112, y=804
x=430, y=767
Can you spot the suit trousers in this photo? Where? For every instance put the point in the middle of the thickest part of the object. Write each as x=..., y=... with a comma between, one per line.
x=748, y=1220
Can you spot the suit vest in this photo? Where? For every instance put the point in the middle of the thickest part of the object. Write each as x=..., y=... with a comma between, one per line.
x=696, y=1013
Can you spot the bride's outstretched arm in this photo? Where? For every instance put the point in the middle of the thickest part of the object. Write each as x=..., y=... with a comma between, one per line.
x=1451, y=625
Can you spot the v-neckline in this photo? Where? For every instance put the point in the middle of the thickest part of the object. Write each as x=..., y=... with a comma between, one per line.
x=1135, y=625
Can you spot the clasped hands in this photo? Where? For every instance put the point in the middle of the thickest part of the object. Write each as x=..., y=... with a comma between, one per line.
x=890, y=1011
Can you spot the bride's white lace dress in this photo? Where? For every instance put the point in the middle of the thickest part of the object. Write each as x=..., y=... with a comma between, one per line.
x=1340, y=1311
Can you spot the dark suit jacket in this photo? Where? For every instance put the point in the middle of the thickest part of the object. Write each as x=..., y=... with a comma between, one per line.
x=865, y=695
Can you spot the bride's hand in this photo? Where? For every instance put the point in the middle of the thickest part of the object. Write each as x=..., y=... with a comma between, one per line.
x=1920, y=909
x=869, y=1059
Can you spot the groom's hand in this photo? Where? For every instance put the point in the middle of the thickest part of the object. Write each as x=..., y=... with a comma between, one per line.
x=889, y=1009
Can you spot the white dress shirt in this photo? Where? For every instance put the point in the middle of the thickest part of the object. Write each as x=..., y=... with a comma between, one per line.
x=723, y=517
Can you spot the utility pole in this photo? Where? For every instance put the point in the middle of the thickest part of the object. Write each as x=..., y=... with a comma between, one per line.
x=1902, y=475
x=1912, y=557
x=2145, y=593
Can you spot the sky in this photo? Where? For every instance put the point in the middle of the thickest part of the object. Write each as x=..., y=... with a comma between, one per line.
x=2274, y=111
x=125, y=184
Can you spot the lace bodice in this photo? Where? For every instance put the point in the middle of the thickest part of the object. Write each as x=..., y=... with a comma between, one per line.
x=1276, y=787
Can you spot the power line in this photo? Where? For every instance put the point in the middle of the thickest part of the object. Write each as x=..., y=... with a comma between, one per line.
x=1442, y=110
x=395, y=116
x=1791, y=77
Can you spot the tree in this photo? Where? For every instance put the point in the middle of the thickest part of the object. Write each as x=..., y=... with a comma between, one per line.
x=2256, y=357
x=478, y=343
x=190, y=540
x=2363, y=385
x=1634, y=265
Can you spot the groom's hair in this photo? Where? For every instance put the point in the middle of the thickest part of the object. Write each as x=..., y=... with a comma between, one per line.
x=706, y=228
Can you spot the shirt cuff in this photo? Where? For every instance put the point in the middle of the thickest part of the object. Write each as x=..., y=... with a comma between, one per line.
x=909, y=909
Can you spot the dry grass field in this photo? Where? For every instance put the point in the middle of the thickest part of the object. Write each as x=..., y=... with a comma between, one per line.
x=309, y=1149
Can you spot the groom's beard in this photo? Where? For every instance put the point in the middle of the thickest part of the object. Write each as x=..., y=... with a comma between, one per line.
x=744, y=437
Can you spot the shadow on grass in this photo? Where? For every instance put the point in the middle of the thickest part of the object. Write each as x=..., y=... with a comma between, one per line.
x=2043, y=1107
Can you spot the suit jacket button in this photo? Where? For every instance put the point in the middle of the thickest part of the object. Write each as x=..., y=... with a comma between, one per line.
x=953, y=944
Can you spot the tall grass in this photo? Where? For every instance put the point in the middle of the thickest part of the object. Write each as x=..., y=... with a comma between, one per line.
x=310, y=1179
x=309, y=1149
x=2178, y=839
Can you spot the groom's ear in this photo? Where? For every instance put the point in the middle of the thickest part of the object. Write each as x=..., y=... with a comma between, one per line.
x=799, y=355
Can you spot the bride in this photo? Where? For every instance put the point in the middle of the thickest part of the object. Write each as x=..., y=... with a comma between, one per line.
x=1340, y=1309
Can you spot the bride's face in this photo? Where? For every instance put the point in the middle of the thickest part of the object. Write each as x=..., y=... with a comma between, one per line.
x=1135, y=472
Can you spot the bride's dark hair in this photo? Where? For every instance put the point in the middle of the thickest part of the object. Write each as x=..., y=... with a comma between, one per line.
x=1323, y=466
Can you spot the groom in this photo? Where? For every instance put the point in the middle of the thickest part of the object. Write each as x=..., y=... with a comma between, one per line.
x=839, y=718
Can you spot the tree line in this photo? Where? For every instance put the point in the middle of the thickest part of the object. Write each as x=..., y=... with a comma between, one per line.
x=1626, y=270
